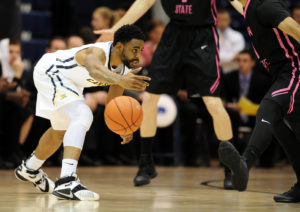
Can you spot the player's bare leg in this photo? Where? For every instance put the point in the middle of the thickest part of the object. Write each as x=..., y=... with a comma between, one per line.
x=221, y=120
x=69, y=186
x=148, y=130
x=30, y=170
x=222, y=127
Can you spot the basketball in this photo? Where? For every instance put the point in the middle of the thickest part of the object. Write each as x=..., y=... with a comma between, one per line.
x=123, y=115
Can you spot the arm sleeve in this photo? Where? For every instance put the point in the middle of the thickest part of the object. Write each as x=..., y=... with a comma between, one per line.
x=272, y=12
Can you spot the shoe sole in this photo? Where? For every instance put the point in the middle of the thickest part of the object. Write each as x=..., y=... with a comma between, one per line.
x=283, y=200
x=231, y=158
x=62, y=197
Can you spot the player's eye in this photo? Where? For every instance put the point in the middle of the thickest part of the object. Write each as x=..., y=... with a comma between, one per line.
x=134, y=51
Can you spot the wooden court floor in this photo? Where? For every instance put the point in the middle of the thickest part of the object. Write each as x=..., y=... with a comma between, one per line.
x=176, y=189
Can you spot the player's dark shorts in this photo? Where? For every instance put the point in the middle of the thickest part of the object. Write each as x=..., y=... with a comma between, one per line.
x=286, y=92
x=186, y=57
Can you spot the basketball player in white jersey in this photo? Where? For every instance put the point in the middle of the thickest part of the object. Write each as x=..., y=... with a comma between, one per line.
x=60, y=78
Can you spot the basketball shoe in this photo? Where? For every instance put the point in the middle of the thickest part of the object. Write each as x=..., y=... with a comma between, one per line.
x=146, y=171
x=39, y=179
x=70, y=188
x=292, y=195
x=232, y=159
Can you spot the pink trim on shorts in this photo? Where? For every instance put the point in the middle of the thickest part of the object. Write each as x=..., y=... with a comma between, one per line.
x=214, y=87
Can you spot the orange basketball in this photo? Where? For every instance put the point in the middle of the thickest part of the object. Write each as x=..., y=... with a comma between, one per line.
x=123, y=115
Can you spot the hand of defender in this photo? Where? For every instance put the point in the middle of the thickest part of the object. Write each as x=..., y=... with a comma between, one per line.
x=105, y=35
x=126, y=138
x=134, y=82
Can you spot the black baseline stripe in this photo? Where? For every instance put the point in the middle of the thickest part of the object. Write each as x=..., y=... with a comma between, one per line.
x=53, y=83
x=61, y=83
x=64, y=61
x=66, y=67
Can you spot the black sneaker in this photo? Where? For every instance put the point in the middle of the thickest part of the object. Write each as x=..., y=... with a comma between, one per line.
x=232, y=159
x=292, y=195
x=227, y=180
x=146, y=171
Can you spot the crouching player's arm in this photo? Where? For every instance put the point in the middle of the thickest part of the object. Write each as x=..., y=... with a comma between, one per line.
x=93, y=59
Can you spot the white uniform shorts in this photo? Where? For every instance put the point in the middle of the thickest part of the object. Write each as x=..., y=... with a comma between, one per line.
x=54, y=91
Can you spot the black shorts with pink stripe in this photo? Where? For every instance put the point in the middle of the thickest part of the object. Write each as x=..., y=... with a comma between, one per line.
x=285, y=91
x=186, y=57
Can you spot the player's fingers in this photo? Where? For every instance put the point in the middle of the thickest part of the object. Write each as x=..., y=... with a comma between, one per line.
x=134, y=71
x=143, y=78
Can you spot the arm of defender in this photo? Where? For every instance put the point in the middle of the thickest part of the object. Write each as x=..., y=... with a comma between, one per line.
x=237, y=6
x=114, y=91
x=93, y=59
x=137, y=10
x=290, y=27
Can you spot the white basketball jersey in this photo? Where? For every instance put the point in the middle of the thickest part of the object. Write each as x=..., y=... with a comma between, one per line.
x=67, y=65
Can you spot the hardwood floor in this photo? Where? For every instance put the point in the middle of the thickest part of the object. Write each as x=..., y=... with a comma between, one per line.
x=176, y=189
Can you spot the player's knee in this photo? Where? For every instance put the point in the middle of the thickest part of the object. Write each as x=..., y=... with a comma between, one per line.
x=86, y=116
x=215, y=107
x=266, y=111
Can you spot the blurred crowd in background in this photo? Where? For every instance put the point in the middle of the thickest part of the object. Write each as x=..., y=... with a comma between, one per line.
x=30, y=28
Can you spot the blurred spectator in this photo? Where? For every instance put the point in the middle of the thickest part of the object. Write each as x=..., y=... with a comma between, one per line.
x=56, y=43
x=122, y=9
x=247, y=82
x=155, y=29
x=74, y=41
x=14, y=102
x=231, y=41
x=296, y=12
x=102, y=18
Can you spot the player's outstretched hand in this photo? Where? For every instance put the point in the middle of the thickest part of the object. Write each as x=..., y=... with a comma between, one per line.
x=105, y=35
x=126, y=138
x=134, y=82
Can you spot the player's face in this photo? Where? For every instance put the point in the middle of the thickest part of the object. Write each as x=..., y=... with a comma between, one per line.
x=14, y=52
x=245, y=63
x=131, y=53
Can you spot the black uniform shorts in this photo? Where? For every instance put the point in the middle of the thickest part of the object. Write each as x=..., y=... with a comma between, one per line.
x=187, y=56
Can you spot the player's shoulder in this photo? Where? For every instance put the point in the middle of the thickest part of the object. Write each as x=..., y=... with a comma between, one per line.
x=103, y=45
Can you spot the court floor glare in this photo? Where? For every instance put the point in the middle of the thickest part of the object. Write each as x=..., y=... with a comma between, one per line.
x=176, y=189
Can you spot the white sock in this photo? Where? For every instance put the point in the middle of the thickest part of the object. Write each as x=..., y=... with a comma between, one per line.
x=69, y=167
x=34, y=163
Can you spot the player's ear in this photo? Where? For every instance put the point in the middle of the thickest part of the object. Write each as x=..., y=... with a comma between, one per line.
x=120, y=46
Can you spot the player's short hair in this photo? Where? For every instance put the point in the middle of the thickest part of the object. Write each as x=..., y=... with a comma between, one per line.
x=128, y=32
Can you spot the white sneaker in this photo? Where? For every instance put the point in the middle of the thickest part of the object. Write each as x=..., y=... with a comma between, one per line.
x=39, y=179
x=70, y=188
